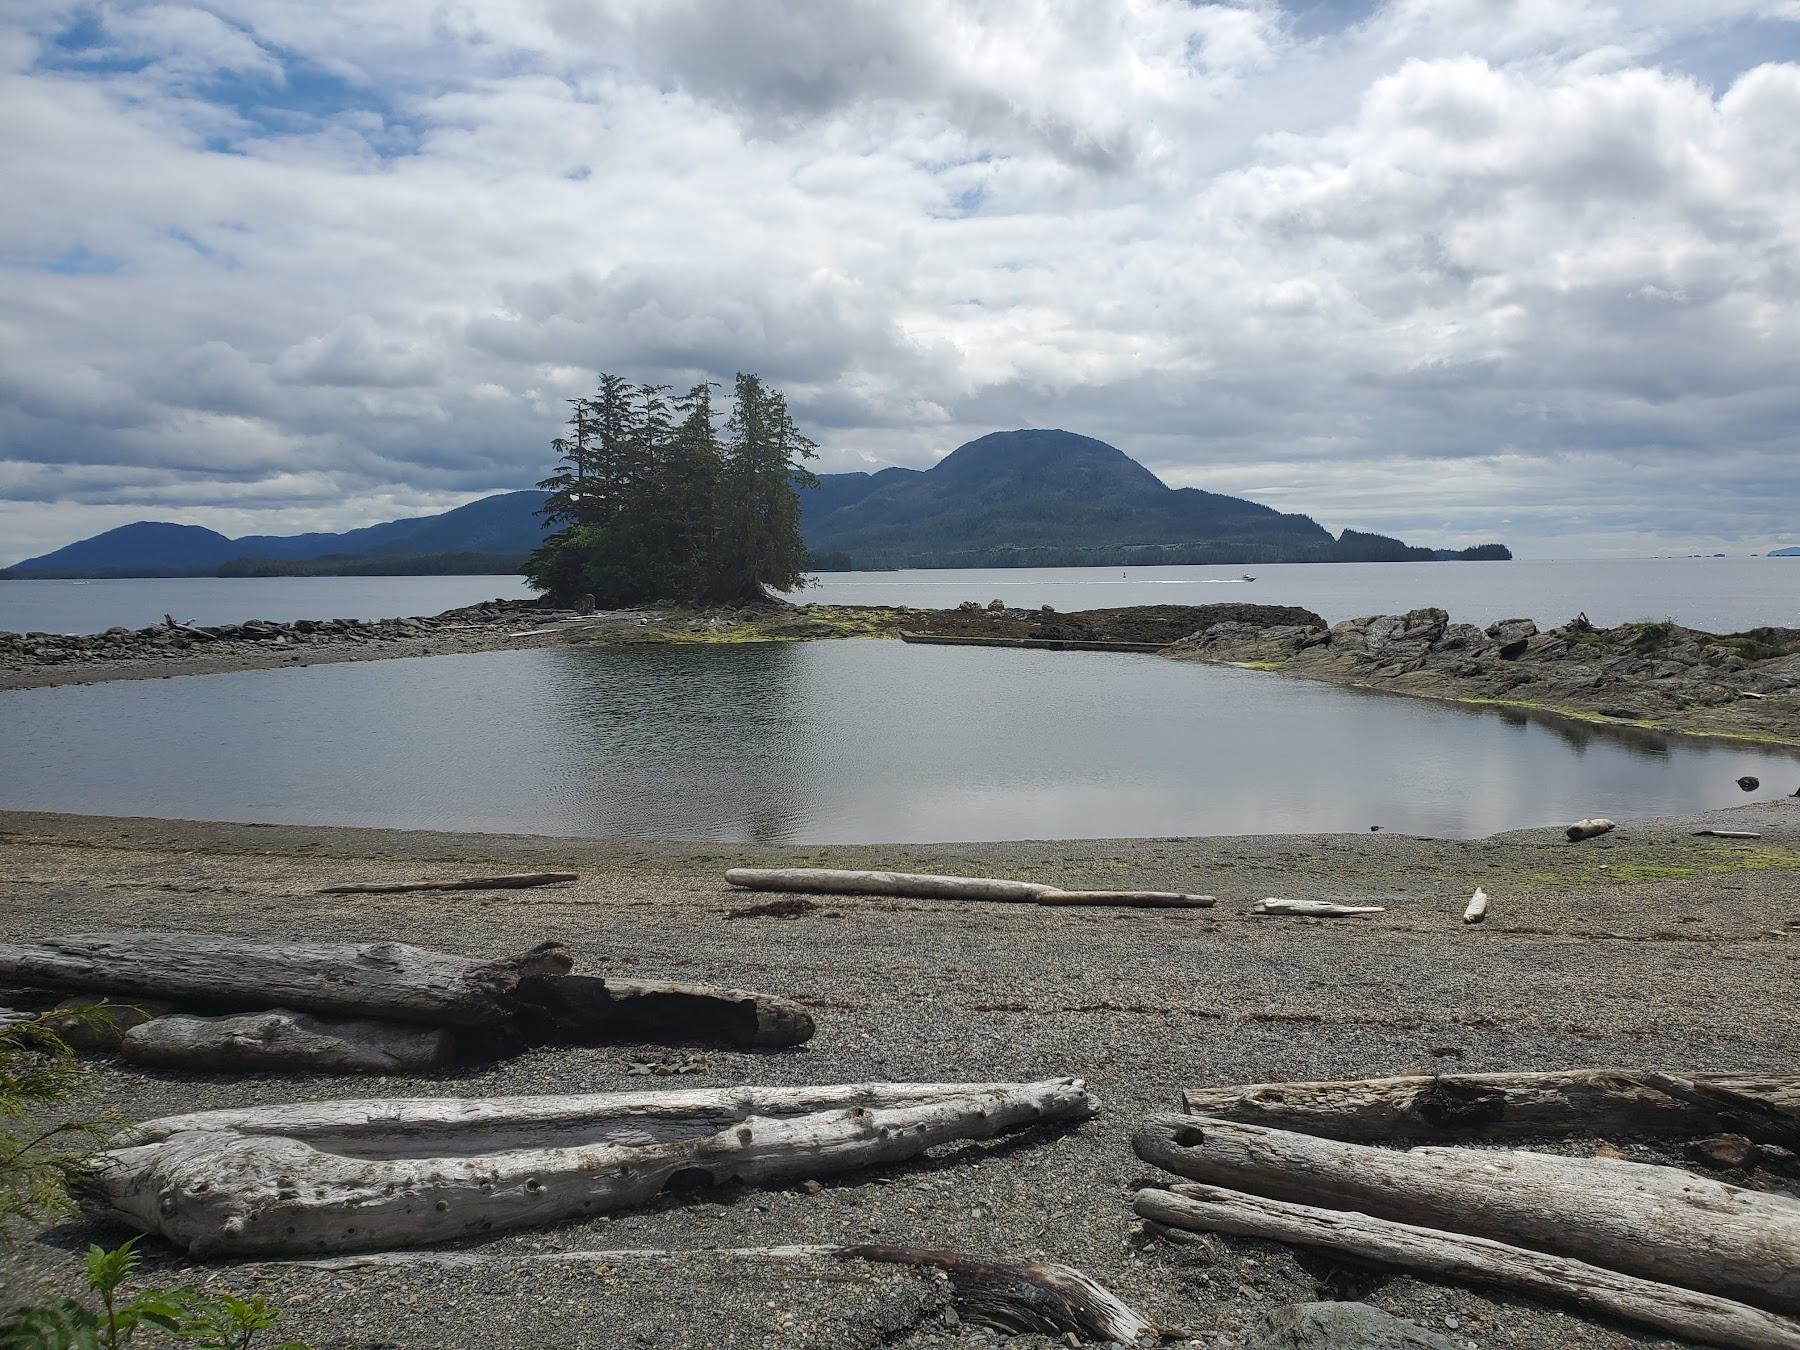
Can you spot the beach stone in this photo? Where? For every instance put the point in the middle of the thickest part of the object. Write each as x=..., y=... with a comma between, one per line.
x=1725, y=1150
x=1341, y=1326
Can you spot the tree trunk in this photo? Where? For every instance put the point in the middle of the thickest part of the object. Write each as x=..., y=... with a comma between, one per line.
x=1517, y=1105
x=1313, y=909
x=280, y=1039
x=1683, y=1313
x=512, y=881
x=660, y=1010
x=375, y=979
x=1020, y=1298
x=1660, y=1223
x=343, y=1176
x=923, y=886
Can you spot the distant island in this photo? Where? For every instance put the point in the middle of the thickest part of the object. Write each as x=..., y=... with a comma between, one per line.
x=1785, y=552
x=1029, y=498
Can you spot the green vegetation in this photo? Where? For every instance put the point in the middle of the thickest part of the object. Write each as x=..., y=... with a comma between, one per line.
x=38, y=1072
x=353, y=565
x=652, y=506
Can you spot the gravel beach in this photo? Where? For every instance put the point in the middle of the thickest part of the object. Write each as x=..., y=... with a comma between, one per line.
x=1647, y=947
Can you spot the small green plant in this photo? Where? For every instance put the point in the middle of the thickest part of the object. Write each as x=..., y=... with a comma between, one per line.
x=209, y=1321
x=39, y=1071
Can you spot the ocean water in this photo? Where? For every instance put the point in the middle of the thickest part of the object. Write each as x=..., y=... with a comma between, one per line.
x=1720, y=594
x=836, y=741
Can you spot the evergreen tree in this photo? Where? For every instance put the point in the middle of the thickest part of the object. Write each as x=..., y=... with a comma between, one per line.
x=653, y=507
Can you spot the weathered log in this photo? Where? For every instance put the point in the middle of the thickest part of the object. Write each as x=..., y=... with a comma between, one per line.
x=1476, y=910
x=1684, y=1313
x=925, y=886
x=512, y=881
x=376, y=979
x=653, y=1009
x=1589, y=829
x=98, y=1026
x=1661, y=1223
x=1727, y=834
x=1517, y=1105
x=343, y=1176
x=1016, y=1297
x=1313, y=909
x=281, y=1039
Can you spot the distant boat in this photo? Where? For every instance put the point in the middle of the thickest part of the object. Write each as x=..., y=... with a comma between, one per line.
x=1246, y=577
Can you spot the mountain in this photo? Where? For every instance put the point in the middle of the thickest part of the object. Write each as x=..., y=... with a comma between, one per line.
x=1053, y=498
x=495, y=531
x=1010, y=499
x=1786, y=553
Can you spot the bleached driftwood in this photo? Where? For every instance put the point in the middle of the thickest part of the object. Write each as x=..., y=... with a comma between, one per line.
x=925, y=886
x=1684, y=1313
x=1588, y=829
x=1476, y=910
x=374, y=979
x=1660, y=1223
x=1517, y=1105
x=343, y=1176
x=513, y=881
x=1727, y=834
x=282, y=1039
x=1313, y=909
x=1019, y=1297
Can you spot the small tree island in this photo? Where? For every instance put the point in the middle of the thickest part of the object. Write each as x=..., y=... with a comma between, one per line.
x=652, y=506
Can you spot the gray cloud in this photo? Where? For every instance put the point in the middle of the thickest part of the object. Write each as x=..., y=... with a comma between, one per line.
x=1452, y=270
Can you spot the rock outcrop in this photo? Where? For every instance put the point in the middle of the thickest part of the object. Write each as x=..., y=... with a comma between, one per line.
x=1659, y=674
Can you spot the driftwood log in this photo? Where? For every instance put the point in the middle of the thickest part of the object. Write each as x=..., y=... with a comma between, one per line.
x=282, y=1039
x=1684, y=1313
x=373, y=979
x=1517, y=1105
x=1476, y=910
x=925, y=886
x=344, y=1176
x=1313, y=909
x=1016, y=1297
x=1727, y=834
x=652, y=1009
x=1659, y=1223
x=513, y=881
x=1589, y=829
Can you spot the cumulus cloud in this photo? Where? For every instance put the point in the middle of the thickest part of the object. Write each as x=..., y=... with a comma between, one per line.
x=1452, y=270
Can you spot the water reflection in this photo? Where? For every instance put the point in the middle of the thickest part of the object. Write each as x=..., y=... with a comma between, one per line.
x=838, y=741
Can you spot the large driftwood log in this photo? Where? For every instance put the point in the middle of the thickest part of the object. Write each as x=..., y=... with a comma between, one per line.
x=1454, y=1256
x=1018, y=1297
x=281, y=1039
x=1727, y=834
x=1517, y=1105
x=374, y=979
x=653, y=1009
x=1476, y=910
x=1661, y=1223
x=343, y=1176
x=1314, y=909
x=924, y=886
x=1589, y=829
x=512, y=881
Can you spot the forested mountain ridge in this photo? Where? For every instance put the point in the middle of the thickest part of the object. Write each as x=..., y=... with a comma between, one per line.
x=1013, y=498
x=1040, y=497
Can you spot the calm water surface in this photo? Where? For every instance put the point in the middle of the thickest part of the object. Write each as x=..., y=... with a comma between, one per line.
x=833, y=741
x=1720, y=594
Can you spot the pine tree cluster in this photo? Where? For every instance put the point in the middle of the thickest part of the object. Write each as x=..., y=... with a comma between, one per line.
x=654, y=506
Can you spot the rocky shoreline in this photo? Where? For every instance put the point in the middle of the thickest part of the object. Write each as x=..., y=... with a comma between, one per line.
x=1653, y=676
x=1658, y=676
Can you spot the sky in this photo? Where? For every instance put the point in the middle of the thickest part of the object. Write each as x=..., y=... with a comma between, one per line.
x=1452, y=270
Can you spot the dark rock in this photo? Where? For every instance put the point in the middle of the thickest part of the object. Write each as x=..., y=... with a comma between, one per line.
x=996, y=606
x=1341, y=1326
x=1749, y=782
x=1508, y=631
